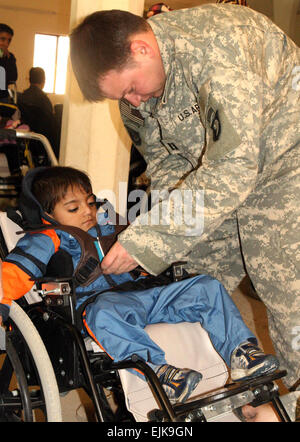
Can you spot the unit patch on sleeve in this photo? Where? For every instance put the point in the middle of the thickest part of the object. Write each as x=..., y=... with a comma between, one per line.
x=214, y=123
x=221, y=136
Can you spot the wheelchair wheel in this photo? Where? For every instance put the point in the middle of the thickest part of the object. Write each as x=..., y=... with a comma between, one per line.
x=21, y=401
x=14, y=392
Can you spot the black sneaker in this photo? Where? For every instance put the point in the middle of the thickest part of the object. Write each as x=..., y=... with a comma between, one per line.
x=178, y=383
x=249, y=361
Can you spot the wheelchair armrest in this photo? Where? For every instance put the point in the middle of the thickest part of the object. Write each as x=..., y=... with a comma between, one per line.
x=46, y=279
x=58, y=295
x=56, y=291
x=53, y=286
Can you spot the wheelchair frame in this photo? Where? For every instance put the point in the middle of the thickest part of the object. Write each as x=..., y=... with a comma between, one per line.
x=59, y=326
x=10, y=186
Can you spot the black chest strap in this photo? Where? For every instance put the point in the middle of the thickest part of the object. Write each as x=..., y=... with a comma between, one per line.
x=88, y=268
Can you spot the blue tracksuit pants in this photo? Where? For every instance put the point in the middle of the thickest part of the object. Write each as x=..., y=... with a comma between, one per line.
x=117, y=319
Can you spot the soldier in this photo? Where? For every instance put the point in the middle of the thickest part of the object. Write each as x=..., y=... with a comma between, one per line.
x=209, y=96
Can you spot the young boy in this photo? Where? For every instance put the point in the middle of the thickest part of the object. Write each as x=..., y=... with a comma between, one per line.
x=116, y=319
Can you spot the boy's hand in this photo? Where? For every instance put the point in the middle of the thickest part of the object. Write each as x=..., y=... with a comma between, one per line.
x=118, y=260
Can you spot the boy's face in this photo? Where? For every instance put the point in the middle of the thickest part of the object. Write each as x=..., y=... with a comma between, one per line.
x=76, y=209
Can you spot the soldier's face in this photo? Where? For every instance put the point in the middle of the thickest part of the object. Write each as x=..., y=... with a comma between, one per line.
x=137, y=83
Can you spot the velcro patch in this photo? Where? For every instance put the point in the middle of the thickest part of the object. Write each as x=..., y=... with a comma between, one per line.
x=214, y=123
x=132, y=114
x=221, y=137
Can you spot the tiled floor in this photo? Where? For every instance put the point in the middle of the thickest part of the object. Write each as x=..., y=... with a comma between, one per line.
x=76, y=406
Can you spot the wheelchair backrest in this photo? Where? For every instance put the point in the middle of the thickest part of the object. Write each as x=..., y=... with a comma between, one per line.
x=9, y=238
x=9, y=231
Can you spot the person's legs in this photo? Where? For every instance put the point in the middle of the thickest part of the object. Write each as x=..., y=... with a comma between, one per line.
x=203, y=299
x=117, y=322
x=219, y=255
x=269, y=225
x=118, y=319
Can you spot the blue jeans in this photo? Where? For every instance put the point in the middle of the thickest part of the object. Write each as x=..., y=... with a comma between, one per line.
x=117, y=319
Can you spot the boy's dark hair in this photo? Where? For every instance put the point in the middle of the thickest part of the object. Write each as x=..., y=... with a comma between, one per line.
x=51, y=185
x=102, y=43
x=6, y=28
x=37, y=75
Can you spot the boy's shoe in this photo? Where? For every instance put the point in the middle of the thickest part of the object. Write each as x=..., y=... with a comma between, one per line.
x=178, y=383
x=248, y=361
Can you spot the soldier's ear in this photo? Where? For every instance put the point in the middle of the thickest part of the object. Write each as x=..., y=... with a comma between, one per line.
x=140, y=48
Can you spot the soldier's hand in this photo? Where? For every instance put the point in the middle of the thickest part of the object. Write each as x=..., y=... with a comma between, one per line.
x=118, y=260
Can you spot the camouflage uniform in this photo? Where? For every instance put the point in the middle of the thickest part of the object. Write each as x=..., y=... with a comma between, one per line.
x=228, y=124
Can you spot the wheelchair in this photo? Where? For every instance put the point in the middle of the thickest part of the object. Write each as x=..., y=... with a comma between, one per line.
x=46, y=354
x=20, y=150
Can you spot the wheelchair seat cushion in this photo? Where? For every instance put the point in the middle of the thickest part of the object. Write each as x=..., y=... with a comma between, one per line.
x=186, y=345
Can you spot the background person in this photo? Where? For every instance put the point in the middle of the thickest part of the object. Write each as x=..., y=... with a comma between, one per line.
x=34, y=95
x=7, y=59
x=37, y=110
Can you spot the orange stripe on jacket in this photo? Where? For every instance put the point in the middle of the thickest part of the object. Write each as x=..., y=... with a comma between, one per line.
x=53, y=235
x=93, y=336
x=97, y=342
x=15, y=282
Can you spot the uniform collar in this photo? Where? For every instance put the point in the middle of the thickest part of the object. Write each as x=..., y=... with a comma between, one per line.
x=168, y=85
x=167, y=51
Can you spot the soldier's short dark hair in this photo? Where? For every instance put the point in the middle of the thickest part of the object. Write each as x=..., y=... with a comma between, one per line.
x=102, y=43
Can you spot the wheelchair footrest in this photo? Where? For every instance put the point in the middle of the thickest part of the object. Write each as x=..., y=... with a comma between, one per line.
x=208, y=407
